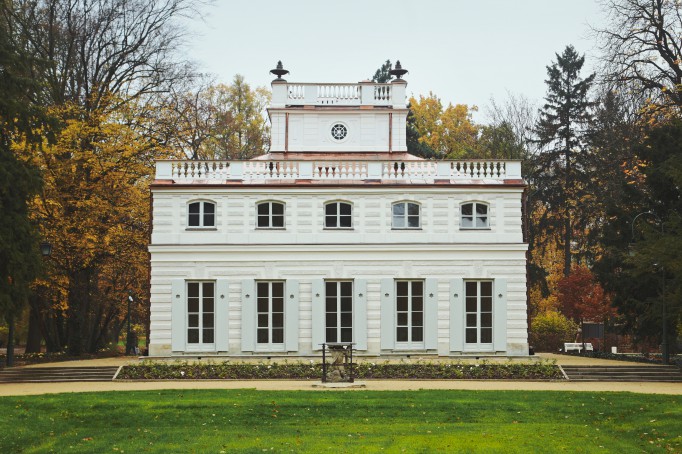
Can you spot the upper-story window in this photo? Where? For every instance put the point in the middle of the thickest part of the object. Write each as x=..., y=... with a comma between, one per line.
x=270, y=215
x=201, y=214
x=339, y=132
x=475, y=215
x=338, y=215
x=406, y=215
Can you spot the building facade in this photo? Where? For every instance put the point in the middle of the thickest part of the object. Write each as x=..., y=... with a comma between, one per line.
x=338, y=235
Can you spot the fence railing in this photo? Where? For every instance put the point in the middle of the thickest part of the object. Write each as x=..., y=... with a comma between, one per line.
x=365, y=93
x=391, y=170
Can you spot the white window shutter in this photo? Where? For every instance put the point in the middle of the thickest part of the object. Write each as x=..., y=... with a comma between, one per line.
x=387, y=314
x=456, y=315
x=291, y=315
x=178, y=315
x=431, y=314
x=248, y=315
x=222, y=314
x=318, y=310
x=360, y=314
x=500, y=315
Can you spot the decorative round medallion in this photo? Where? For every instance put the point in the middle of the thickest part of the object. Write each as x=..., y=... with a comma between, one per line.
x=339, y=131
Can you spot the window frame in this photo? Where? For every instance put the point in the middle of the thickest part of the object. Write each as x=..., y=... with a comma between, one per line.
x=202, y=212
x=338, y=215
x=270, y=215
x=474, y=215
x=409, y=344
x=200, y=346
x=406, y=215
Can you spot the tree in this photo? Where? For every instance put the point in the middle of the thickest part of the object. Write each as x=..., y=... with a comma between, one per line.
x=582, y=298
x=642, y=47
x=92, y=49
x=94, y=211
x=19, y=258
x=383, y=74
x=449, y=131
x=500, y=142
x=520, y=115
x=103, y=67
x=560, y=168
x=219, y=121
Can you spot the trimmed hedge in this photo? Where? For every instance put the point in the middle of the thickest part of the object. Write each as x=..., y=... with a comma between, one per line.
x=149, y=370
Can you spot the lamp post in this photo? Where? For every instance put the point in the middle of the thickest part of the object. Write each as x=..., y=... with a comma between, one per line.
x=664, y=312
x=130, y=347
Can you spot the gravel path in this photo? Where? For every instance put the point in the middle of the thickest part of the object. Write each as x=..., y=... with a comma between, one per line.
x=13, y=389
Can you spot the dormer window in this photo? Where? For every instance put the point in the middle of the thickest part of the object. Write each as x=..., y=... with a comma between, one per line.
x=475, y=216
x=338, y=215
x=270, y=215
x=201, y=214
x=406, y=215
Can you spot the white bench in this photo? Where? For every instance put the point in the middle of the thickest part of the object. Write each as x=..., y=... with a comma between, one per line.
x=569, y=346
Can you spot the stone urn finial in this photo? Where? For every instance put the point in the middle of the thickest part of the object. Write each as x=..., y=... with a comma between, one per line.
x=279, y=71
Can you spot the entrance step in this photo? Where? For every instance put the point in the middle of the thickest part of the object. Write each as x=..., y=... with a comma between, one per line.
x=57, y=374
x=624, y=373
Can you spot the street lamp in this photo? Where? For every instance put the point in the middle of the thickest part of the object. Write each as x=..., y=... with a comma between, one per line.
x=45, y=249
x=130, y=344
x=664, y=315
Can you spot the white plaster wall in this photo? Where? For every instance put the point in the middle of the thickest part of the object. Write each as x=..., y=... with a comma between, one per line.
x=236, y=215
x=310, y=130
x=308, y=262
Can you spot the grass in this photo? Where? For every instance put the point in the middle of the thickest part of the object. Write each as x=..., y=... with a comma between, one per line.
x=353, y=421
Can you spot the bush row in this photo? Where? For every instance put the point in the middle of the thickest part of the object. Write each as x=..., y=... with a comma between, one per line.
x=149, y=370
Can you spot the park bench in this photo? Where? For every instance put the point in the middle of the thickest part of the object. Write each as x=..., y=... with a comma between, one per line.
x=569, y=346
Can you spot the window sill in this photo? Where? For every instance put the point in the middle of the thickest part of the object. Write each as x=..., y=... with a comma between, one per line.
x=406, y=228
x=271, y=228
x=475, y=228
x=338, y=228
x=200, y=229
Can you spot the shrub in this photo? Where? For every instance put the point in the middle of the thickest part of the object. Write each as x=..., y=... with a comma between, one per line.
x=550, y=330
x=150, y=370
x=4, y=332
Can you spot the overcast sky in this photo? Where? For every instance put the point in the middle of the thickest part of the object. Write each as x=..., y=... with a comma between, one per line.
x=466, y=52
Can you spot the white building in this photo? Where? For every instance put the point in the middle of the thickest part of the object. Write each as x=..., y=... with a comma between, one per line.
x=338, y=234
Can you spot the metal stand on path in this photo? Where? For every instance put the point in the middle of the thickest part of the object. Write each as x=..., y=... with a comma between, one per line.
x=341, y=367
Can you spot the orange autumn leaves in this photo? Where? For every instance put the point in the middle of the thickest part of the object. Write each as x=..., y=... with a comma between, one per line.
x=581, y=297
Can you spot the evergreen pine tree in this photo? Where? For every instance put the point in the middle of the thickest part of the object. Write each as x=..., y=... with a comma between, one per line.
x=560, y=176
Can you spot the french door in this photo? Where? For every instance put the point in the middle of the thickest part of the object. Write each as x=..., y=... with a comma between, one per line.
x=479, y=316
x=270, y=316
x=339, y=311
x=201, y=316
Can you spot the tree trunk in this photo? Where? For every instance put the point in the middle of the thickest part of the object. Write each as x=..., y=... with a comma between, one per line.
x=34, y=337
x=10, y=341
x=568, y=193
x=76, y=314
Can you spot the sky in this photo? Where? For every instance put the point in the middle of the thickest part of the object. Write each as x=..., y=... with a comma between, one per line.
x=465, y=52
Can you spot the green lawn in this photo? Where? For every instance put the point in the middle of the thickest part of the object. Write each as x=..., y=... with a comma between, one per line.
x=351, y=421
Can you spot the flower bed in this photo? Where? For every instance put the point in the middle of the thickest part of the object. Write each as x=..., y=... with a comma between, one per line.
x=150, y=370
